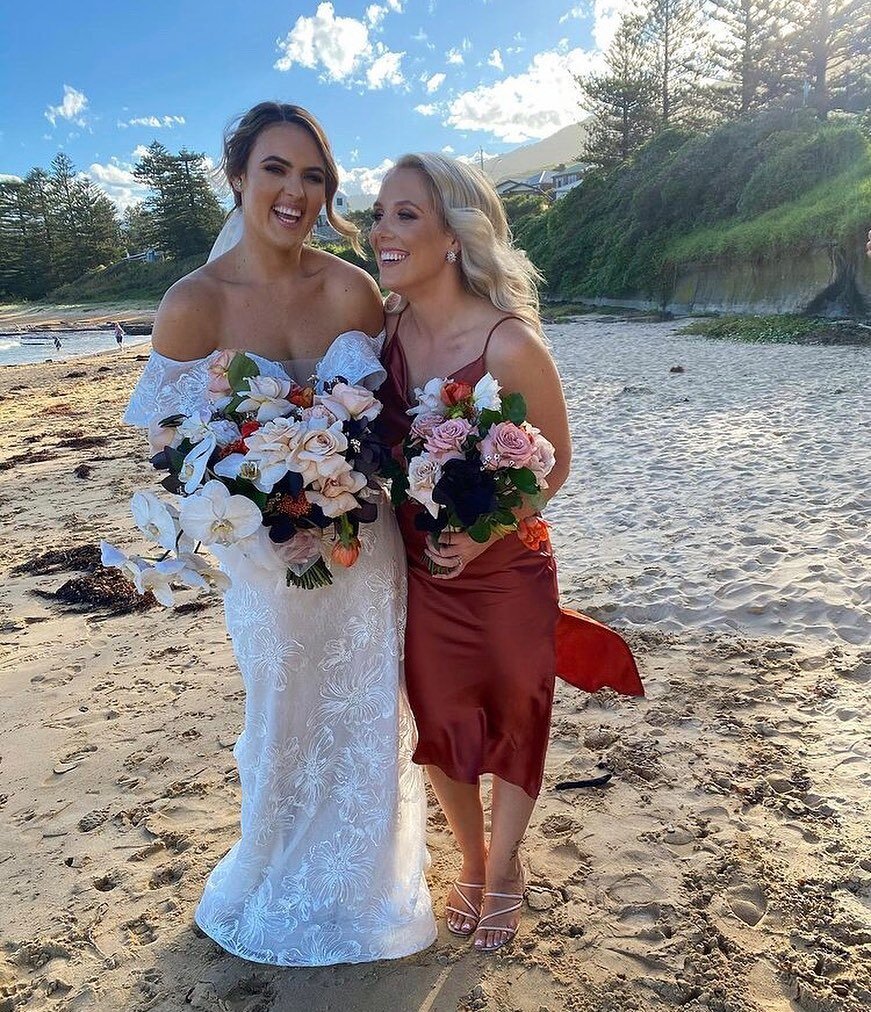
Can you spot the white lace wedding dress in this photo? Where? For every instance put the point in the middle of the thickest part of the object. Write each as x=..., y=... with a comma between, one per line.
x=330, y=864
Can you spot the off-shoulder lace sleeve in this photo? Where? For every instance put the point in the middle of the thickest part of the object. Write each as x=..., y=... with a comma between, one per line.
x=166, y=387
x=354, y=356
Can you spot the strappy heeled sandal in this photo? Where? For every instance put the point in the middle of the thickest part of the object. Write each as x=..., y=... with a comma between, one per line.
x=472, y=912
x=500, y=913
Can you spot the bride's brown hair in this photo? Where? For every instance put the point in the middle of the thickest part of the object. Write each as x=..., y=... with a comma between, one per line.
x=239, y=139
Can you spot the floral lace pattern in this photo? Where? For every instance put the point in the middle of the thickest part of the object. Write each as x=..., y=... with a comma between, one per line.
x=330, y=864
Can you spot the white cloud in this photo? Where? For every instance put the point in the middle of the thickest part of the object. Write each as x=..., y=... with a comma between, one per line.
x=157, y=122
x=72, y=107
x=495, y=60
x=386, y=68
x=427, y=110
x=447, y=150
x=527, y=106
x=607, y=15
x=140, y=151
x=454, y=56
x=435, y=82
x=363, y=179
x=118, y=183
x=5, y=177
x=341, y=47
x=575, y=12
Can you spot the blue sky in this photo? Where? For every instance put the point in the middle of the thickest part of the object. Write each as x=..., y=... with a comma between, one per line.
x=100, y=80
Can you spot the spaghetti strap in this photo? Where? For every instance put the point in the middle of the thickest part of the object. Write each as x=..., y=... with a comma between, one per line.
x=391, y=338
x=493, y=329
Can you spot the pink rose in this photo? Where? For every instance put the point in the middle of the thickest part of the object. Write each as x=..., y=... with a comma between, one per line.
x=219, y=385
x=543, y=457
x=507, y=445
x=347, y=401
x=423, y=425
x=445, y=441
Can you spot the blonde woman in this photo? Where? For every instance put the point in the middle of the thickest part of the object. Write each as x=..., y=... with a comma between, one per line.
x=480, y=640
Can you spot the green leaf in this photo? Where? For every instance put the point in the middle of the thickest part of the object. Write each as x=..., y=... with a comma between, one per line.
x=240, y=369
x=480, y=530
x=514, y=408
x=524, y=479
x=487, y=418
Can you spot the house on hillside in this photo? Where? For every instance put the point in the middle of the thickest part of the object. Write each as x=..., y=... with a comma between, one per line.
x=323, y=229
x=567, y=177
x=540, y=184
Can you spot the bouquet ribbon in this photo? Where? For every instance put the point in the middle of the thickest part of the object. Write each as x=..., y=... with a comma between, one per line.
x=591, y=656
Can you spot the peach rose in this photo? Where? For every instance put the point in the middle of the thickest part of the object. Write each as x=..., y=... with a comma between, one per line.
x=445, y=440
x=455, y=391
x=533, y=533
x=423, y=425
x=346, y=555
x=507, y=445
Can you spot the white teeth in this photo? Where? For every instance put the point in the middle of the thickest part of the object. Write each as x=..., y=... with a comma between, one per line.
x=393, y=257
x=288, y=212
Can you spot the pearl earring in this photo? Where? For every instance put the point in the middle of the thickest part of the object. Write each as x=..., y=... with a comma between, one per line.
x=451, y=256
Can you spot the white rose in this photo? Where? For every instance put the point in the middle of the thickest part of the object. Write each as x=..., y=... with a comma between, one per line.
x=423, y=475
x=336, y=496
x=320, y=453
x=195, y=426
x=346, y=401
x=429, y=399
x=486, y=394
x=224, y=431
x=268, y=397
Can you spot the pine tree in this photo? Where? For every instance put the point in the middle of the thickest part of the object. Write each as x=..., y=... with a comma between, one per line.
x=182, y=211
x=622, y=99
x=756, y=65
x=679, y=45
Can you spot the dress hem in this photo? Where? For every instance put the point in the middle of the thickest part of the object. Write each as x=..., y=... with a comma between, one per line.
x=473, y=778
x=401, y=954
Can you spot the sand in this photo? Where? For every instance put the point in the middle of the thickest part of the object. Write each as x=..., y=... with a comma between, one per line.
x=716, y=515
x=30, y=317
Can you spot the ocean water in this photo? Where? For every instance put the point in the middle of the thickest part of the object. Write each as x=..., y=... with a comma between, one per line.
x=74, y=344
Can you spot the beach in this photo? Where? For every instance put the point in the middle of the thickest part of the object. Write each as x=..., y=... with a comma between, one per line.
x=717, y=515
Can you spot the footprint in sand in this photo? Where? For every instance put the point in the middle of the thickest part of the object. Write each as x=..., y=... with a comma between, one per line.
x=747, y=901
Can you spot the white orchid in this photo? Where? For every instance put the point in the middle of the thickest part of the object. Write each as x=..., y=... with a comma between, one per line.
x=423, y=474
x=268, y=397
x=195, y=426
x=429, y=399
x=199, y=574
x=155, y=519
x=193, y=469
x=485, y=396
x=215, y=517
x=242, y=465
x=113, y=558
x=158, y=579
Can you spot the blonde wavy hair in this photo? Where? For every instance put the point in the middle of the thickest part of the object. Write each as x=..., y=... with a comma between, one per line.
x=491, y=267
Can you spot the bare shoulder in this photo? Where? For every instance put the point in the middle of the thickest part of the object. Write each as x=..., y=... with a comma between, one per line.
x=355, y=292
x=186, y=325
x=516, y=348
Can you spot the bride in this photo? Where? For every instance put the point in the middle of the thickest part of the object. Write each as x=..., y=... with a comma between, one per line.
x=330, y=864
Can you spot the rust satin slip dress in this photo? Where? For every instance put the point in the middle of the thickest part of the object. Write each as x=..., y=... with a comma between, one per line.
x=481, y=650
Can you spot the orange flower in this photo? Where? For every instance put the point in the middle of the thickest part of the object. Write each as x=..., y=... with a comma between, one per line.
x=454, y=392
x=346, y=555
x=533, y=532
x=302, y=397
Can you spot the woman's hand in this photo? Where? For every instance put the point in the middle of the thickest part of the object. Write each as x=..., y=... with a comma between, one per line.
x=454, y=551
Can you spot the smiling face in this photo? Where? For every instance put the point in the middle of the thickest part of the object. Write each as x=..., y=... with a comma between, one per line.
x=283, y=185
x=408, y=236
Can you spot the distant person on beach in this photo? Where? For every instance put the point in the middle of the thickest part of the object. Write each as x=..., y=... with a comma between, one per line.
x=57, y=343
x=119, y=334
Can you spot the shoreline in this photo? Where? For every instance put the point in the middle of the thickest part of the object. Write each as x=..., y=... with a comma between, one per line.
x=135, y=316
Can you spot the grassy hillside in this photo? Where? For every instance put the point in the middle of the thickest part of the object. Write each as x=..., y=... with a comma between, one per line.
x=775, y=184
